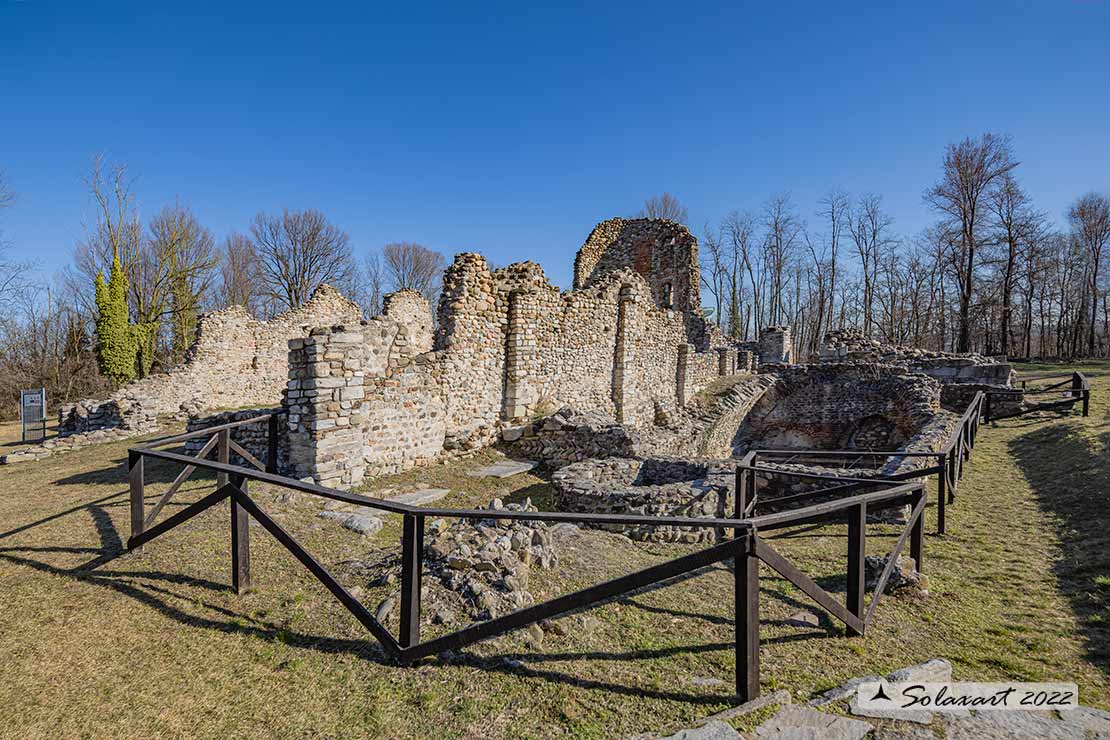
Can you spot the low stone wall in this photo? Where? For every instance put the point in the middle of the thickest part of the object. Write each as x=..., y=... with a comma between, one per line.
x=127, y=411
x=254, y=438
x=856, y=405
x=652, y=487
x=1003, y=399
x=851, y=345
x=570, y=435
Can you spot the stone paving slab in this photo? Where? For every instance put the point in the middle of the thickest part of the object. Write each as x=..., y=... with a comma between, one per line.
x=421, y=497
x=503, y=469
x=921, y=716
x=712, y=730
x=1012, y=725
x=804, y=723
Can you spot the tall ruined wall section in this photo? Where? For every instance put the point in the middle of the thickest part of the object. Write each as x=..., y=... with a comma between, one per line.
x=511, y=345
x=662, y=252
x=508, y=345
x=365, y=398
x=470, y=340
x=236, y=360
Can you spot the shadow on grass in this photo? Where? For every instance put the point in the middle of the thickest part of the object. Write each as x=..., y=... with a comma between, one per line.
x=1069, y=473
x=152, y=588
x=154, y=471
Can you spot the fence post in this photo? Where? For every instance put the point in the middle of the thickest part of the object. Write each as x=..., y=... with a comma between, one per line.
x=272, y=444
x=953, y=481
x=917, y=534
x=412, y=551
x=857, y=550
x=942, y=493
x=138, y=508
x=741, y=492
x=240, y=541
x=223, y=455
x=746, y=593
x=987, y=408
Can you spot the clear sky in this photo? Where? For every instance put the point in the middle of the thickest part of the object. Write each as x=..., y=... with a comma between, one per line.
x=511, y=129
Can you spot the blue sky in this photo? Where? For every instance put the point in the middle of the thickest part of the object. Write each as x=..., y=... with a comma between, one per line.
x=511, y=129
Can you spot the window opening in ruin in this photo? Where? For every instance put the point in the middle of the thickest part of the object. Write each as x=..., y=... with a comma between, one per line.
x=668, y=299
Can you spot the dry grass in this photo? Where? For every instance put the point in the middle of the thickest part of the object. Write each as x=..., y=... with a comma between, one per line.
x=11, y=435
x=133, y=646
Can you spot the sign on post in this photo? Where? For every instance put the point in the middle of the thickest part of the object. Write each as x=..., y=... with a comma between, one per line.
x=32, y=412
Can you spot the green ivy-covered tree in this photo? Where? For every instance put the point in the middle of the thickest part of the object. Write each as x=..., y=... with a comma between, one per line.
x=116, y=346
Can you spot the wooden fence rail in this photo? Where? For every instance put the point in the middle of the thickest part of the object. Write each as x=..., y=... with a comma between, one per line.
x=739, y=541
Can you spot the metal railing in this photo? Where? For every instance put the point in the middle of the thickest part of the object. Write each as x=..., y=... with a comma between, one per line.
x=739, y=539
x=1062, y=393
x=948, y=464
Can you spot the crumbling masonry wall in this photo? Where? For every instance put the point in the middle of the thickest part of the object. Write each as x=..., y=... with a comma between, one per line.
x=662, y=252
x=508, y=346
x=846, y=406
x=236, y=360
x=851, y=345
x=365, y=398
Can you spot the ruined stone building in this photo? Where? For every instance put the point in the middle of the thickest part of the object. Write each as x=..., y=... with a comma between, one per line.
x=629, y=340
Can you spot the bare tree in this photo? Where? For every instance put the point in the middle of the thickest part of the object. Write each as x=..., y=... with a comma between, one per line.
x=298, y=251
x=240, y=274
x=375, y=288
x=783, y=230
x=414, y=266
x=970, y=169
x=835, y=210
x=13, y=273
x=664, y=206
x=117, y=231
x=1090, y=222
x=1017, y=227
x=870, y=228
x=176, y=270
x=740, y=229
x=714, y=270
x=742, y=234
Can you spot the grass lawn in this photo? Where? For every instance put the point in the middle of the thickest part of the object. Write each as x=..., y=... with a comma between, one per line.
x=96, y=644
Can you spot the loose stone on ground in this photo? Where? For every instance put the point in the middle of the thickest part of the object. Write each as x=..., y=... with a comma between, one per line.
x=363, y=524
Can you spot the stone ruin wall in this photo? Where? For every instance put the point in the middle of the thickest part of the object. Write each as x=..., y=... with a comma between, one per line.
x=364, y=398
x=236, y=360
x=663, y=252
x=508, y=346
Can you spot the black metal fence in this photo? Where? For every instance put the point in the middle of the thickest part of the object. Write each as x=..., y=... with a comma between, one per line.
x=1048, y=393
x=739, y=540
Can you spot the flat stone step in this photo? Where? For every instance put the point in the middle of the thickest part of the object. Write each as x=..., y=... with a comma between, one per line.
x=503, y=469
